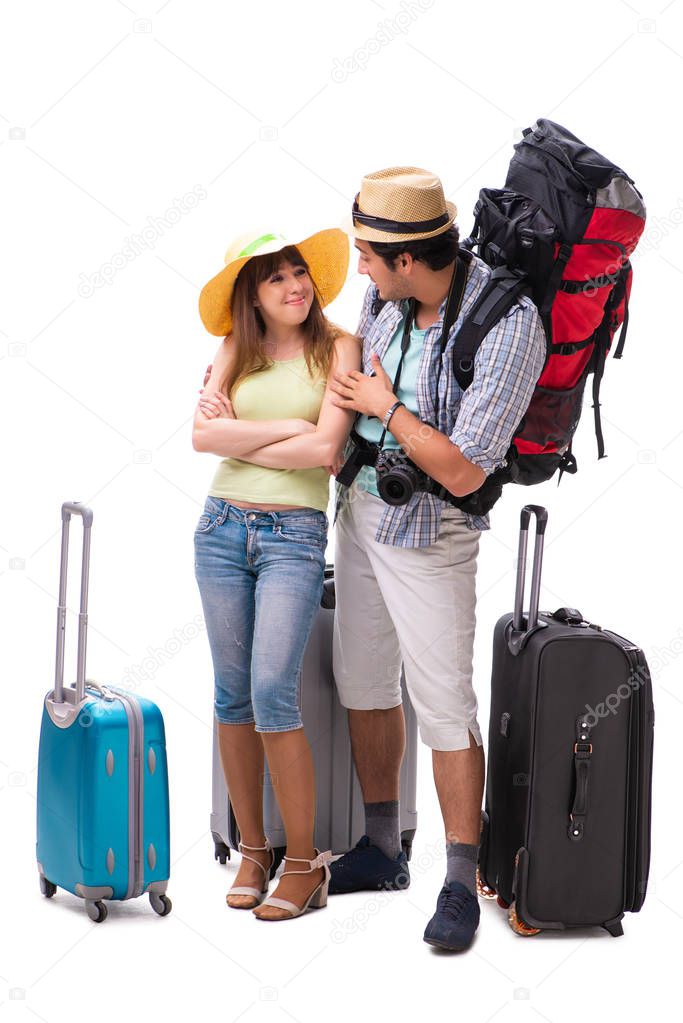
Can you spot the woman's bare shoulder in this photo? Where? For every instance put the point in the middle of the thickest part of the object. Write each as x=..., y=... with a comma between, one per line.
x=221, y=362
x=343, y=339
x=226, y=352
x=347, y=352
x=226, y=346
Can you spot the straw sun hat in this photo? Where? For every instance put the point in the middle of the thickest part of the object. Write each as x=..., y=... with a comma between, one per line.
x=400, y=204
x=326, y=253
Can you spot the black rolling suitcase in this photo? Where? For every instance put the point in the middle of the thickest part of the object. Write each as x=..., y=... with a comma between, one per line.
x=566, y=830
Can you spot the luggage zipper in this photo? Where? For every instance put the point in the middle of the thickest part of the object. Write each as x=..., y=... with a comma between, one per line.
x=136, y=803
x=629, y=648
x=639, y=838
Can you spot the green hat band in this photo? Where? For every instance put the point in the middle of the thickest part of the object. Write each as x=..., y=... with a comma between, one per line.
x=253, y=246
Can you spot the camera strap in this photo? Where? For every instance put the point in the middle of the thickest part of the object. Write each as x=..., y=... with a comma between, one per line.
x=454, y=299
x=405, y=345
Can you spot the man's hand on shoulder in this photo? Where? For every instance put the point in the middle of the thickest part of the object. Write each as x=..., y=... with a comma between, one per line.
x=371, y=395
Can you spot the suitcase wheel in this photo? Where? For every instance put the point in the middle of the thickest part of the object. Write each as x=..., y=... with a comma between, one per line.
x=221, y=852
x=161, y=904
x=97, y=911
x=484, y=891
x=518, y=925
x=47, y=887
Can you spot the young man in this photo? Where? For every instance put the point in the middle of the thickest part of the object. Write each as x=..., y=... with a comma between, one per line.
x=405, y=573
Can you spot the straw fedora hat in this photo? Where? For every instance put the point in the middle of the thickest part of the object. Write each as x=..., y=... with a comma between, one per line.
x=400, y=204
x=326, y=253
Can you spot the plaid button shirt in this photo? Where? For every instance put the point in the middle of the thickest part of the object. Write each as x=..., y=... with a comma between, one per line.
x=481, y=420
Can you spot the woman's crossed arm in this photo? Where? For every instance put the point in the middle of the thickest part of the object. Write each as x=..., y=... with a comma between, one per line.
x=230, y=437
x=322, y=444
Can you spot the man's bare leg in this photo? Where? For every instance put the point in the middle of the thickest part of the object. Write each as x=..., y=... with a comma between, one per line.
x=378, y=743
x=378, y=740
x=459, y=779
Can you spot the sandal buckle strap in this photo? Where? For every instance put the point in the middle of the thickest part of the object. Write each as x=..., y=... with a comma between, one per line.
x=321, y=860
x=256, y=848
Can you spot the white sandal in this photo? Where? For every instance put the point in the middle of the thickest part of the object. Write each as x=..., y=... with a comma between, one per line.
x=318, y=897
x=256, y=893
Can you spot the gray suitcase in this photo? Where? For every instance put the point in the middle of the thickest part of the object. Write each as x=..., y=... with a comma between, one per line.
x=339, y=814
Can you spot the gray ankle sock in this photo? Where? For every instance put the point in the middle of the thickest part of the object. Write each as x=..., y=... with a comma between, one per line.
x=382, y=827
x=461, y=864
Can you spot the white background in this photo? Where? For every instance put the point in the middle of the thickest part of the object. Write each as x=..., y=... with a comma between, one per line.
x=110, y=115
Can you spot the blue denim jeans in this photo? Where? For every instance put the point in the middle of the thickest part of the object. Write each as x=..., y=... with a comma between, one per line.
x=260, y=577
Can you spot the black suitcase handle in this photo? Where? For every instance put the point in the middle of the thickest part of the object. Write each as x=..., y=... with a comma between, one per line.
x=520, y=628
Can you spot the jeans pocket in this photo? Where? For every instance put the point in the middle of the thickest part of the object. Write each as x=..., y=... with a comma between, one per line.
x=206, y=524
x=309, y=531
x=209, y=518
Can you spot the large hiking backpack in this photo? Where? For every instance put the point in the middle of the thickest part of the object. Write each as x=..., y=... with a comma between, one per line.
x=560, y=230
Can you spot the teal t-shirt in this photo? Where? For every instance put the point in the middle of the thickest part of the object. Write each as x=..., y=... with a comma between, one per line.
x=371, y=429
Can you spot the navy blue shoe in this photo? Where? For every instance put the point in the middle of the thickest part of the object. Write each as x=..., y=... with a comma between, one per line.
x=366, y=868
x=456, y=919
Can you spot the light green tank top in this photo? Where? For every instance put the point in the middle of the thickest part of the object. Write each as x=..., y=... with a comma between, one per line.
x=285, y=390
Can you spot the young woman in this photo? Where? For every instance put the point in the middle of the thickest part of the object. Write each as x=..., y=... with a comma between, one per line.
x=260, y=542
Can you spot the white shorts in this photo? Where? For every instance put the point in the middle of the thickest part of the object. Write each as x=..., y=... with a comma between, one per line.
x=414, y=606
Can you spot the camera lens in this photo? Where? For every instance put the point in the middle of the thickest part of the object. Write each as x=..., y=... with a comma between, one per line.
x=396, y=483
x=396, y=491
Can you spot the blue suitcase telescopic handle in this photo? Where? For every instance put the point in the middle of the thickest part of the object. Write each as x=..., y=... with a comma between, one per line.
x=70, y=508
x=541, y=522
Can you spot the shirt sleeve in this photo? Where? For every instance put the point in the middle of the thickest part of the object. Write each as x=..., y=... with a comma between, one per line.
x=507, y=365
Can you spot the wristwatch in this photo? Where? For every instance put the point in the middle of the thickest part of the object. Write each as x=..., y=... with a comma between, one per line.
x=389, y=413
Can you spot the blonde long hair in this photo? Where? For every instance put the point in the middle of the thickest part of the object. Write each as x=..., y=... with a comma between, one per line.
x=248, y=327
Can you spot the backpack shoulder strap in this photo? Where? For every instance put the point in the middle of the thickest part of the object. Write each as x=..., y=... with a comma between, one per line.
x=499, y=295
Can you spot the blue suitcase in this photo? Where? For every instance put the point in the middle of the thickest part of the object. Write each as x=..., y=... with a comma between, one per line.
x=103, y=813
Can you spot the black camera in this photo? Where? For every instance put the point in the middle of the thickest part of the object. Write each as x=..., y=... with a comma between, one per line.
x=397, y=476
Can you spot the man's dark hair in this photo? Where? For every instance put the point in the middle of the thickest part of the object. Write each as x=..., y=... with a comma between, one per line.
x=436, y=252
